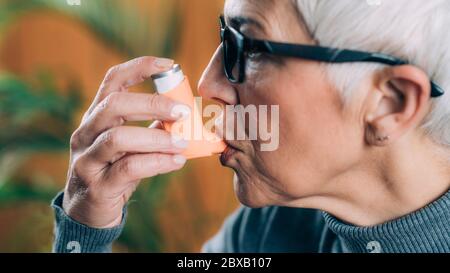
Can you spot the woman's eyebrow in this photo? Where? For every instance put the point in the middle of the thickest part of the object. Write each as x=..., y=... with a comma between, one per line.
x=239, y=21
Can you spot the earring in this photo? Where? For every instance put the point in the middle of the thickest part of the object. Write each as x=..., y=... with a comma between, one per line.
x=383, y=139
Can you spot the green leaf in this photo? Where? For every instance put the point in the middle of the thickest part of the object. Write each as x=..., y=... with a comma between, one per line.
x=120, y=25
x=17, y=192
x=35, y=117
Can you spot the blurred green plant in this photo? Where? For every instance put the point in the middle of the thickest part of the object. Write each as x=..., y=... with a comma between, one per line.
x=121, y=24
x=34, y=116
x=38, y=119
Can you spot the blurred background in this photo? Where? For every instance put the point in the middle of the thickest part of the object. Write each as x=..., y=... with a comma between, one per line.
x=53, y=57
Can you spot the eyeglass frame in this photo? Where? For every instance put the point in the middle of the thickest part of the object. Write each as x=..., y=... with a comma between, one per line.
x=307, y=52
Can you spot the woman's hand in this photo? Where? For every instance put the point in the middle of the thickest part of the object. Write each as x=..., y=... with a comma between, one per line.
x=108, y=159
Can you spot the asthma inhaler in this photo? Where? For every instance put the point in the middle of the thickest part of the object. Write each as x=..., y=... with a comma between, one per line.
x=202, y=143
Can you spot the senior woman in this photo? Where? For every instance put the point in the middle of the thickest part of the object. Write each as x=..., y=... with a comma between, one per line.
x=363, y=159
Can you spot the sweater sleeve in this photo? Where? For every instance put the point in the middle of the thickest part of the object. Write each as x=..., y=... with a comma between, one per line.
x=73, y=237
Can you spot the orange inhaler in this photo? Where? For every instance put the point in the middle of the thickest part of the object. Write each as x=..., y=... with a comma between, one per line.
x=202, y=143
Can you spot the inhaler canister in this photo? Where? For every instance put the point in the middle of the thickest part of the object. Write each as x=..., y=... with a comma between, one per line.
x=175, y=85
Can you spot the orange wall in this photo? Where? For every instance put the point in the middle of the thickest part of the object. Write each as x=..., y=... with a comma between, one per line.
x=203, y=195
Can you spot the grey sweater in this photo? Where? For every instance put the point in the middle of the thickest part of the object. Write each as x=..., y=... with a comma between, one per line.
x=280, y=229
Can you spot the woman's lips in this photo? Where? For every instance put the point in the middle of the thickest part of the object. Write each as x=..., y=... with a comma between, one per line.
x=227, y=155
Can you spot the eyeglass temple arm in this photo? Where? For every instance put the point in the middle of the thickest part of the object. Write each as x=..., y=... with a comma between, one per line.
x=332, y=55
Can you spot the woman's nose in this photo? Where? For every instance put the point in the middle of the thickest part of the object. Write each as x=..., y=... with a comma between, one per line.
x=214, y=84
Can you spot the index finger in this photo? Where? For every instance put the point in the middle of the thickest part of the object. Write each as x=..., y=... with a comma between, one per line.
x=123, y=76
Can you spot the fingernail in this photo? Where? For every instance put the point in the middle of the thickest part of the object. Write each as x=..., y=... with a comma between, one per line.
x=179, y=142
x=163, y=63
x=180, y=111
x=179, y=159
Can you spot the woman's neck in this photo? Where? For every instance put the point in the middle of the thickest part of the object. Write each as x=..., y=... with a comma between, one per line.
x=410, y=176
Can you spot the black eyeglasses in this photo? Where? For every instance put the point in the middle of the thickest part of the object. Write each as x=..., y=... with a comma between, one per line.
x=236, y=46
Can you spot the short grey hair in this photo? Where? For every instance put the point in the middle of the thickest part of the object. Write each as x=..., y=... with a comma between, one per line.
x=415, y=30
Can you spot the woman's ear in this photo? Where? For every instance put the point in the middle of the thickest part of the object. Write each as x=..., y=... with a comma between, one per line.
x=397, y=103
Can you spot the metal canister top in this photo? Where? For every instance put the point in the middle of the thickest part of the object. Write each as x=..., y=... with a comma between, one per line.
x=168, y=80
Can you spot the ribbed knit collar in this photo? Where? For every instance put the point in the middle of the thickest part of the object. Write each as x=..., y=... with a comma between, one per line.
x=424, y=231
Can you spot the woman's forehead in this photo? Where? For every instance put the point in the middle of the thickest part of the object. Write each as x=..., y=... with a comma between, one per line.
x=278, y=19
x=258, y=10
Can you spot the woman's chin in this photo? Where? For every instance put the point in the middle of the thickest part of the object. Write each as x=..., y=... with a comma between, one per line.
x=248, y=195
x=250, y=202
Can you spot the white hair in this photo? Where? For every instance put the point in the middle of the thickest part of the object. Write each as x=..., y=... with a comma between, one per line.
x=414, y=30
